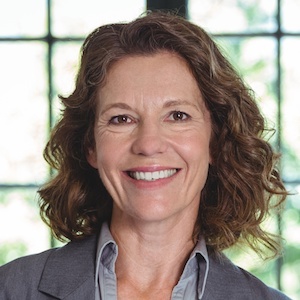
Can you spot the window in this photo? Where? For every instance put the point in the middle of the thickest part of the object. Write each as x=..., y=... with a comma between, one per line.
x=38, y=57
x=39, y=51
x=262, y=38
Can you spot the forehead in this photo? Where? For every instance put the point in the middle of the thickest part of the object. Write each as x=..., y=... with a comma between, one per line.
x=163, y=71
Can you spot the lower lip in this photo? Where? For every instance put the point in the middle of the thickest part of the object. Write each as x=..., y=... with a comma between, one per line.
x=151, y=184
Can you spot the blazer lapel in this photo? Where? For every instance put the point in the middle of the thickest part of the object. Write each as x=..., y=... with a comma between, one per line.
x=69, y=272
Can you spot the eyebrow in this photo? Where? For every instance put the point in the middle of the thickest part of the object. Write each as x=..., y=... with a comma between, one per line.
x=116, y=105
x=178, y=102
x=168, y=103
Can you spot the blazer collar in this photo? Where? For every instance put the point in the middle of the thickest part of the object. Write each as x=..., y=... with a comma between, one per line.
x=70, y=270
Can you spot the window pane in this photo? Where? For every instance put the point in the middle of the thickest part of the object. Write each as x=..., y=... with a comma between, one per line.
x=290, y=109
x=65, y=65
x=220, y=16
x=258, y=69
x=90, y=14
x=23, y=114
x=22, y=231
x=291, y=229
x=290, y=15
x=22, y=18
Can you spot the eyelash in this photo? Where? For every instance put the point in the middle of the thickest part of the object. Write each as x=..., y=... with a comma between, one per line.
x=120, y=119
x=174, y=116
x=177, y=113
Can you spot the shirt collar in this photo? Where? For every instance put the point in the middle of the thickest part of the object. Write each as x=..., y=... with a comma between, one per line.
x=107, y=252
x=200, y=251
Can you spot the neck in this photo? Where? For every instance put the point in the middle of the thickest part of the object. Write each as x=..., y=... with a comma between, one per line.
x=152, y=253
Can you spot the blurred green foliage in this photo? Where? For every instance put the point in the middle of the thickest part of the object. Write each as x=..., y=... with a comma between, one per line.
x=11, y=251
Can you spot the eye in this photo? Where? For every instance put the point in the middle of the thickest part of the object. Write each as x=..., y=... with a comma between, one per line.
x=178, y=116
x=120, y=119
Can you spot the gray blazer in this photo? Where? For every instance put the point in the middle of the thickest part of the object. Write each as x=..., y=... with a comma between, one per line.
x=68, y=273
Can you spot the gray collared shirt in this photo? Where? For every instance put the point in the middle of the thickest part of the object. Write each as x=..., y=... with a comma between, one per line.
x=190, y=286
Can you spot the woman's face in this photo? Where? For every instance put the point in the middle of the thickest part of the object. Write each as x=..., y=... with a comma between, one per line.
x=152, y=135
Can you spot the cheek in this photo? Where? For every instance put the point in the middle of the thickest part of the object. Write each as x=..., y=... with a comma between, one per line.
x=195, y=147
x=110, y=151
x=106, y=155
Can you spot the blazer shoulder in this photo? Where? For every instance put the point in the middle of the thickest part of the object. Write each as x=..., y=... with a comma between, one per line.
x=25, y=265
x=23, y=274
x=236, y=283
x=54, y=273
x=260, y=290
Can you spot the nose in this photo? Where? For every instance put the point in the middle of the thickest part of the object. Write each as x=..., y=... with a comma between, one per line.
x=149, y=140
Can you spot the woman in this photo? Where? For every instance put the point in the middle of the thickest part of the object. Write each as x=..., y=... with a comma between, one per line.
x=161, y=165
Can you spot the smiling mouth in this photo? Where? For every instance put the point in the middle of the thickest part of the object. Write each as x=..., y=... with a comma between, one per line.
x=152, y=176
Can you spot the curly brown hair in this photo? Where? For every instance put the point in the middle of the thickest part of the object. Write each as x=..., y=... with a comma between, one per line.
x=242, y=178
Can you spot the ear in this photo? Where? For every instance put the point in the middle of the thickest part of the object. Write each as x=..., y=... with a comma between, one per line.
x=91, y=157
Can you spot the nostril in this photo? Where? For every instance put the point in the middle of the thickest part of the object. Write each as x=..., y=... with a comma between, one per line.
x=149, y=145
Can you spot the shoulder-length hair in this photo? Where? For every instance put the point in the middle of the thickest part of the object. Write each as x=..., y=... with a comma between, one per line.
x=242, y=178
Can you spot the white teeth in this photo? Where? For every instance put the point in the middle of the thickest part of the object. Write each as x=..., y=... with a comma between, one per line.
x=148, y=176
x=151, y=176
